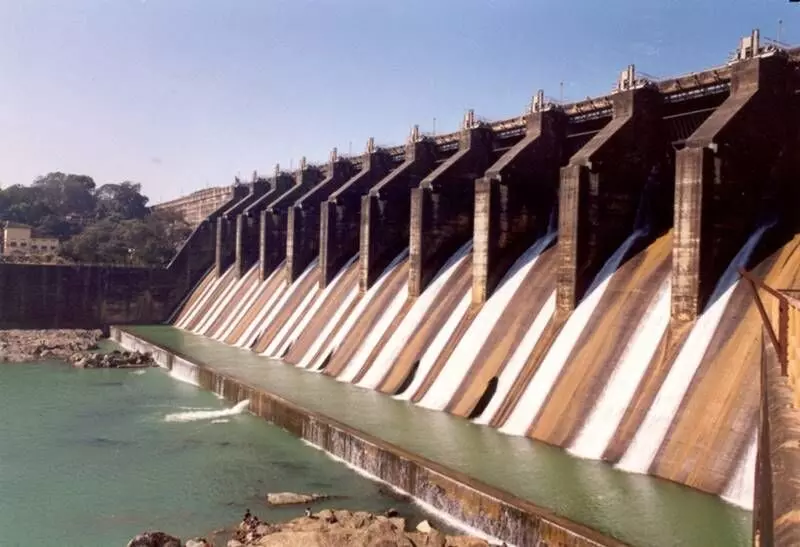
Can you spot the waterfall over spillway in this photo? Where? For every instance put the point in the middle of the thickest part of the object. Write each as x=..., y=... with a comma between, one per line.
x=192, y=312
x=741, y=488
x=238, y=313
x=280, y=346
x=247, y=335
x=546, y=375
x=298, y=312
x=437, y=345
x=360, y=307
x=459, y=363
x=517, y=362
x=219, y=304
x=653, y=430
x=606, y=415
x=395, y=344
x=185, y=371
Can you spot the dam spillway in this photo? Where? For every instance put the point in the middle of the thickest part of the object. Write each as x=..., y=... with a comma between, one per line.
x=568, y=276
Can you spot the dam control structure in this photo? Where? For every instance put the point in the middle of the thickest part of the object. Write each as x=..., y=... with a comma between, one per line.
x=570, y=275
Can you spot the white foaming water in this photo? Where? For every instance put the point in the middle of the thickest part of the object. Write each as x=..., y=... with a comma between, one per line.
x=741, y=488
x=197, y=415
x=229, y=322
x=216, y=309
x=328, y=328
x=289, y=324
x=221, y=421
x=185, y=371
x=621, y=386
x=457, y=366
x=298, y=329
x=256, y=321
x=517, y=361
x=428, y=508
x=358, y=310
x=421, y=305
x=437, y=345
x=287, y=294
x=548, y=372
x=650, y=435
x=374, y=336
x=138, y=372
x=200, y=303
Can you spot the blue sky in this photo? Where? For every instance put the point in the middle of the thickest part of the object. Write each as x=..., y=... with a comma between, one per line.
x=183, y=94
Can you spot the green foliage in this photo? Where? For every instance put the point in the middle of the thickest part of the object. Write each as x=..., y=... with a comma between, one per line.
x=110, y=224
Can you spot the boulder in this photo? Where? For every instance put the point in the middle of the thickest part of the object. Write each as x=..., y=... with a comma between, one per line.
x=424, y=527
x=198, y=542
x=155, y=539
x=290, y=498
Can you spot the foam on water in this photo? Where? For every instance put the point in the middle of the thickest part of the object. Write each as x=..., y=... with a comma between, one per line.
x=298, y=329
x=602, y=423
x=459, y=363
x=650, y=435
x=410, y=322
x=428, y=508
x=198, y=415
x=518, y=359
x=548, y=372
x=347, y=326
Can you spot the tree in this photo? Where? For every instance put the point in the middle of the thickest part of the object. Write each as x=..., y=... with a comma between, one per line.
x=123, y=200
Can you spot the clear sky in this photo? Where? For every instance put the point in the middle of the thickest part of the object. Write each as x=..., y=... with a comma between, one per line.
x=183, y=94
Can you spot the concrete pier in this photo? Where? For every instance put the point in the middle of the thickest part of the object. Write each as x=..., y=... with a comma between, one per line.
x=226, y=224
x=340, y=214
x=735, y=161
x=386, y=210
x=442, y=206
x=516, y=197
x=602, y=187
x=248, y=222
x=273, y=220
x=303, y=217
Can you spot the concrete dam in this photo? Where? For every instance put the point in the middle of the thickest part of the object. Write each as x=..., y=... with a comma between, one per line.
x=570, y=276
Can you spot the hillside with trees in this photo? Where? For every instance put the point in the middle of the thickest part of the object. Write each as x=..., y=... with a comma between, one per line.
x=109, y=224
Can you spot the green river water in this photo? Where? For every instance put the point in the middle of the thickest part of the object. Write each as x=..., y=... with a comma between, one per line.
x=88, y=459
x=637, y=509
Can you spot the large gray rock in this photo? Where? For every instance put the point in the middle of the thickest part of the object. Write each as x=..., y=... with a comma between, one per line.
x=198, y=542
x=290, y=498
x=155, y=539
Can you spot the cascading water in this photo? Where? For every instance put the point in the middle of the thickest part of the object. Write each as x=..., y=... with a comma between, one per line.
x=245, y=339
x=308, y=299
x=282, y=345
x=201, y=302
x=185, y=371
x=440, y=340
x=516, y=363
x=241, y=306
x=219, y=305
x=740, y=489
x=459, y=363
x=650, y=435
x=546, y=375
x=395, y=344
x=357, y=311
x=374, y=335
x=198, y=415
x=241, y=310
x=606, y=415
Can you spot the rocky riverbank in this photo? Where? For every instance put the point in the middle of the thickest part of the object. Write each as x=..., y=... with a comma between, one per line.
x=114, y=359
x=21, y=346
x=327, y=528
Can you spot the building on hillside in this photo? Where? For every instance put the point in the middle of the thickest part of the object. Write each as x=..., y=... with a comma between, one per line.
x=19, y=239
x=198, y=205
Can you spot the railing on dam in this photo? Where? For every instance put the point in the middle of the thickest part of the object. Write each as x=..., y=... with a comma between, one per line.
x=776, y=507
